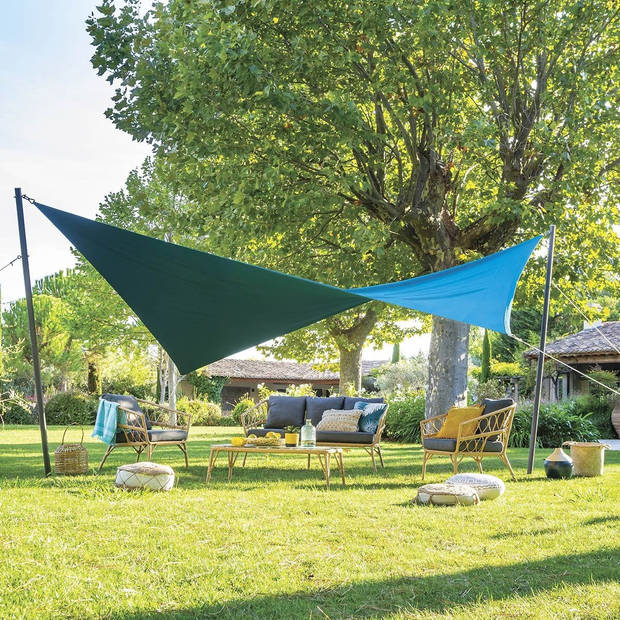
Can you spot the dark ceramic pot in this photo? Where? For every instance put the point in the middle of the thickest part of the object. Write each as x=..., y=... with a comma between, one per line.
x=559, y=465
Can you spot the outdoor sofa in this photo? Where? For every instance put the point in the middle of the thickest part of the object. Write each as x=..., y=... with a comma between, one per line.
x=278, y=412
x=489, y=437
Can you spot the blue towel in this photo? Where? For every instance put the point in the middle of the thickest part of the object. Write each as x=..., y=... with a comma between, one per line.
x=107, y=419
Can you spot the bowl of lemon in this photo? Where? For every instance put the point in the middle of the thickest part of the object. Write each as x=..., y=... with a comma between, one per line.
x=270, y=439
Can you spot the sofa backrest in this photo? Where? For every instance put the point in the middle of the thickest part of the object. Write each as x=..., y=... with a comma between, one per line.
x=294, y=410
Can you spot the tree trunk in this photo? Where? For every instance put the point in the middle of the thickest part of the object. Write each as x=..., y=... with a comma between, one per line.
x=94, y=378
x=351, y=369
x=161, y=375
x=173, y=379
x=350, y=340
x=447, y=366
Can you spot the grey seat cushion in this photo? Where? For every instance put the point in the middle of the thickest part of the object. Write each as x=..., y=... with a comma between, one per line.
x=340, y=437
x=166, y=434
x=261, y=432
x=449, y=445
x=489, y=407
x=317, y=405
x=128, y=402
x=286, y=411
x=349, y=401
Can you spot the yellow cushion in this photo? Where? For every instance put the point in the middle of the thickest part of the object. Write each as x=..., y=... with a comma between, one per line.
x=455, y=416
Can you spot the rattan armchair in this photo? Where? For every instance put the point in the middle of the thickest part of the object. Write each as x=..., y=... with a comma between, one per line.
x=489, y=439
x=137, y=431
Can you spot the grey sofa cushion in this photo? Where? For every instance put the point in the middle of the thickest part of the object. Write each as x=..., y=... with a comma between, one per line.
x=317, y=405
x=261, y=432
x=128, y=402
x=339, y=437
x=349, y=401
x=286, y=411
x=167, y=434
x=489, y=407
x=449, y=445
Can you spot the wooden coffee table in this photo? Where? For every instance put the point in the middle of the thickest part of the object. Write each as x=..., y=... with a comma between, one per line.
x=324, y=454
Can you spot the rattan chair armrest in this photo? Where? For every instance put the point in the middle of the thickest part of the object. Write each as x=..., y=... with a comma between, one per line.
x=424, y=423
x=254, y=416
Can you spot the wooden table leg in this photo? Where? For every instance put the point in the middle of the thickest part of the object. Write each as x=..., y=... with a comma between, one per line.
x=232, y=457
x=340, y=466
x=327, y=466
x=212, y=458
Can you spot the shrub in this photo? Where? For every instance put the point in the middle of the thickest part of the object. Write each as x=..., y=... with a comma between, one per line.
x=125, y=386
x=203, y=413
x=14, y=412
x=557, y=423
x=493, y=388
x=71, y=408
x=240, y=408
x=226, y=420
x=405, y=375
x=403, y=418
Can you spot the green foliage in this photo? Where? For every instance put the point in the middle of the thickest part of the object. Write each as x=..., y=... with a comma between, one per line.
x=405, y=376
x=557, y=422
x=17, y=412
x=207, y=387
x=493, y=388
x=71, y=408
x=60, y=354
x=485, y=361
x=607, y=378
x=403, y=418
x=240, y=408
x=396, y=352
x=203, y=413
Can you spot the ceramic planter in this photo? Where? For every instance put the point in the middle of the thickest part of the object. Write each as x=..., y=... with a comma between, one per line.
x=291, y=439
x=558, y=464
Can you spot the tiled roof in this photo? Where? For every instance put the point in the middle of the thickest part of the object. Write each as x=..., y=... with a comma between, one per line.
x=589, y=341
x=265, y=370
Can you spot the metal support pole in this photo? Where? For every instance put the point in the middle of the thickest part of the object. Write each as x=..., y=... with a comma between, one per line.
x=541, y=354
x=33, y=334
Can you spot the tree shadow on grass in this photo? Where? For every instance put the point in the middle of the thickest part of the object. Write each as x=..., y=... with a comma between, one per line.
x=413, y=594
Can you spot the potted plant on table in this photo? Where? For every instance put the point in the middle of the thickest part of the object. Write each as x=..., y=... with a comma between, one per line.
x=291, y=436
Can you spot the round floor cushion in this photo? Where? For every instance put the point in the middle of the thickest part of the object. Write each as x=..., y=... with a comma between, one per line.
x=447, y=495
x=487, y=487
x=145, y=475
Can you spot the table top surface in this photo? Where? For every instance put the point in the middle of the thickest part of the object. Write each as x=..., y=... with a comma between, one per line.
x=281, y=449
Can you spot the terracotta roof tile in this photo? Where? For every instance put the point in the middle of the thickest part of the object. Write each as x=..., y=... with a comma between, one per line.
x=588, y=341
x=265, y=370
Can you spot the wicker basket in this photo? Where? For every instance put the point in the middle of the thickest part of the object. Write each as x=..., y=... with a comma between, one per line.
x=71, y=458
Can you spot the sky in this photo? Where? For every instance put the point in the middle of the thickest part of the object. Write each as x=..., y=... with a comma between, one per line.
x=55, y=142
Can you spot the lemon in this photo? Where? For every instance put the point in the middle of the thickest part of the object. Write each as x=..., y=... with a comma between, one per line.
x=252, y=436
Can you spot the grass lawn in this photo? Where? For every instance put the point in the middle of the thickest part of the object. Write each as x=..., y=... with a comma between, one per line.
x=275, y=543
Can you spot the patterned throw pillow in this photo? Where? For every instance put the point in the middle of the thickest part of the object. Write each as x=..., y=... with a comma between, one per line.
x=371, y=415
x=340, y=420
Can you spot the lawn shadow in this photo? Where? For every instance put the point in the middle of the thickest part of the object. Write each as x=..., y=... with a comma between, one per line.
x=411, y=594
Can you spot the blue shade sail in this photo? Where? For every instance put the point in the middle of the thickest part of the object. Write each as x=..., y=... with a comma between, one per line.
x=479, y=293
x=202, y=307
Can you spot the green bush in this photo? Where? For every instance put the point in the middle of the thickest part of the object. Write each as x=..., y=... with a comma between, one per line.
x=241, y=407
x=71, y=408
x=226, y=420
x=17, y=413
x=203, y=413
x=598, y=409
x=403, y=418
x=125, y=386
x=557, y=422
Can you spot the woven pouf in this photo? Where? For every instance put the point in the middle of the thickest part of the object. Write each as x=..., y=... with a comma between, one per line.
x=447, y=495
x=487, y=487
x=145, y=476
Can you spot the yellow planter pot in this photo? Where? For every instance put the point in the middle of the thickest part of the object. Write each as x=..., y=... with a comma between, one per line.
x=291, y=439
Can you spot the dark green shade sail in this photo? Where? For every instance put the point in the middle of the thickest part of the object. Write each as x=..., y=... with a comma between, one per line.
x=202, y=307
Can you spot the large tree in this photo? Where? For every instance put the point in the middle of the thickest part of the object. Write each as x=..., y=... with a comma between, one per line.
x=460, y=127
